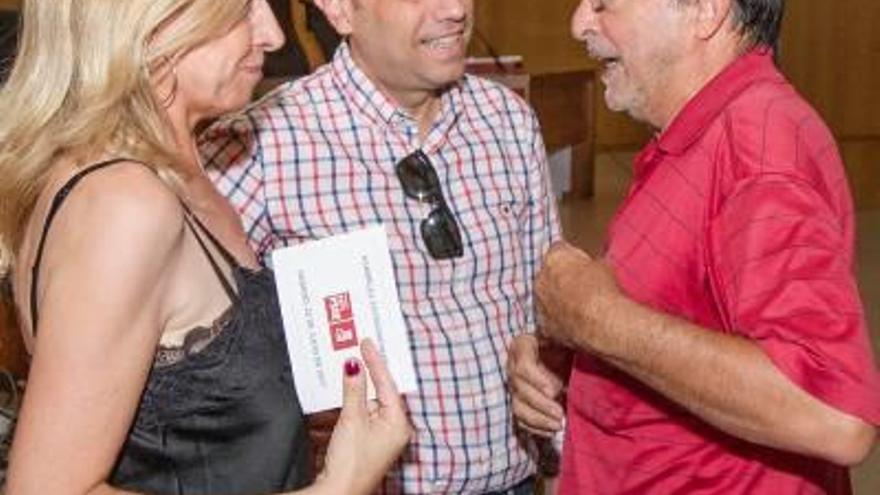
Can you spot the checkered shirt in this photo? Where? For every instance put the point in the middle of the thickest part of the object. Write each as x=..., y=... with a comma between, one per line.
x=316, y=158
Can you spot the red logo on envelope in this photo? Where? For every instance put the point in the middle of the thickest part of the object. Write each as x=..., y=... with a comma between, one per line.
x=341, y=321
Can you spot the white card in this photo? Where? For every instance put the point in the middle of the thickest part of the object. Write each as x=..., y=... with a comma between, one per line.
x=335, y=292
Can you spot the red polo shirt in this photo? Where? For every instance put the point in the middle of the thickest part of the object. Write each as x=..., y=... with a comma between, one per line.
x=739, y=219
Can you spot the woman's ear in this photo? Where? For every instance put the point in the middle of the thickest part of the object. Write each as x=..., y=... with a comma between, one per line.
x=338, y=13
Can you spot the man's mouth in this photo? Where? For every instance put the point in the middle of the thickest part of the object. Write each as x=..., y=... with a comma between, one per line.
x=603, y=53
x=608, y=62
x=449, y=41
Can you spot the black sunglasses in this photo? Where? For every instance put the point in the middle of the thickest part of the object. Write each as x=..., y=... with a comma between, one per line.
x=439, y=229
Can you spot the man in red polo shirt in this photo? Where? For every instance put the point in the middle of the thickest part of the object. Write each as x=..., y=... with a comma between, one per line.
x=721, y=343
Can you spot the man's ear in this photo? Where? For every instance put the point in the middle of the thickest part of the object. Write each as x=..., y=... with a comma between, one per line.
x=338, y=13
x=712, y=15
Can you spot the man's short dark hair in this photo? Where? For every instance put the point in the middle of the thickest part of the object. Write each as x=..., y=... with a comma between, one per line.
x=759, y=20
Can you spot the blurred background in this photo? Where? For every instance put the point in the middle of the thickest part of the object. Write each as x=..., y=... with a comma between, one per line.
x=830, y=50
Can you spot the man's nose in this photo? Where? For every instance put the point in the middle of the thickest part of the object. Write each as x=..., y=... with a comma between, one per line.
x=452, y=10
x=583, y=21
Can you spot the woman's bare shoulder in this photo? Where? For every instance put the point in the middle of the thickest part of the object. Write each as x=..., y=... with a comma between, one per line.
x=122, y=218
x=112, y=243
x=124, y=203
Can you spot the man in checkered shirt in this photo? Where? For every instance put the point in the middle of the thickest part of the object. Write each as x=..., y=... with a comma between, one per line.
x=391, y=131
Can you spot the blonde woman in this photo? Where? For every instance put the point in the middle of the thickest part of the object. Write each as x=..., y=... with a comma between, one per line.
x=159, y=364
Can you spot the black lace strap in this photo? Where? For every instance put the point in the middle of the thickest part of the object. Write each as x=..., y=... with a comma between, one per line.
x=227, y=284
x=59, y=198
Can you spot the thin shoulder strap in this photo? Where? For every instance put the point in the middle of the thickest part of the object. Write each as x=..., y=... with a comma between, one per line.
x=59, y=198
x=189, y=217
x=225, y=253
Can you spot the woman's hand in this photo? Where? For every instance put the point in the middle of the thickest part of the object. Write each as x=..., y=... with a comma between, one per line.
x=369, y=437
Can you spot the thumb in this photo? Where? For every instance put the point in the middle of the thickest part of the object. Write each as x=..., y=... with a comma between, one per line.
x=354, y=389
x=386, y=389
x=524, y=348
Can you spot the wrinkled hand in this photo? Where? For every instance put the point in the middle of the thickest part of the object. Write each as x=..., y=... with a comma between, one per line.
x=534, y=388
x=573, y=293
x=368, y=438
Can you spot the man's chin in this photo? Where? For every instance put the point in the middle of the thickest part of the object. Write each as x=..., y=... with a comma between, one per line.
x=444, y=78
x=614, y=102
x=620, y=104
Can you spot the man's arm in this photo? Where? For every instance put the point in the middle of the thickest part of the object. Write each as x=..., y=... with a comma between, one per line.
x=724, y=379
x=792, y=369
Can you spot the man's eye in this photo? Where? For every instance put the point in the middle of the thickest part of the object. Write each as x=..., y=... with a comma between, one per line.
x=599, y=6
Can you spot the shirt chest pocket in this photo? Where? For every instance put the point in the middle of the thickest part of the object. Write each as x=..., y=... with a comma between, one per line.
x=492, y=222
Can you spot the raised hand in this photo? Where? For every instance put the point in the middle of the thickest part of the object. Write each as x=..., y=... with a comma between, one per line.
x=370, y=435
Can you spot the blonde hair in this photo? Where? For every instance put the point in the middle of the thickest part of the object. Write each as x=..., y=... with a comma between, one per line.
x=82, y=85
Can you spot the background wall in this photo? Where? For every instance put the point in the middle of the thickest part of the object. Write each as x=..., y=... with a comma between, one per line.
x=830, y=50
x=539, y=31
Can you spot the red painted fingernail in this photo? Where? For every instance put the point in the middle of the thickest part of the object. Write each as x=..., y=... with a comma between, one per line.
x=352, y=367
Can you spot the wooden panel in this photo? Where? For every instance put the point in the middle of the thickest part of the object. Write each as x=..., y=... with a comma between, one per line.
x=831, y=51
x=862, y=158
x=9, y=4
x=537, y=30
x=307, y=39
x=540, y=32
x=616, y=130
x=566, y=107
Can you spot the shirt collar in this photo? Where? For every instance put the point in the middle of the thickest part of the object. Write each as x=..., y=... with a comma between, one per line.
x=702, y=109
x=359, y=89
x=380, y=109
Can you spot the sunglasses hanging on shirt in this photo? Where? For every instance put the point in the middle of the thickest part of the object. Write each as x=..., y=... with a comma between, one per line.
x=439, y=229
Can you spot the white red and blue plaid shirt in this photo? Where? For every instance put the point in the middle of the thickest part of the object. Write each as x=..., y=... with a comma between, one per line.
x=316, y=158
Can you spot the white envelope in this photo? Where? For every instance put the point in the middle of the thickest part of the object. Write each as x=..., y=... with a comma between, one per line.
x=335, y=292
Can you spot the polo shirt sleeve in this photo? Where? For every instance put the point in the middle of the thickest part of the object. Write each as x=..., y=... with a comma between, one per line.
x=780, y=261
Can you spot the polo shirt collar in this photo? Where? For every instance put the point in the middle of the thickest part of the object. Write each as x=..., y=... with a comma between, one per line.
x=702, y=109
